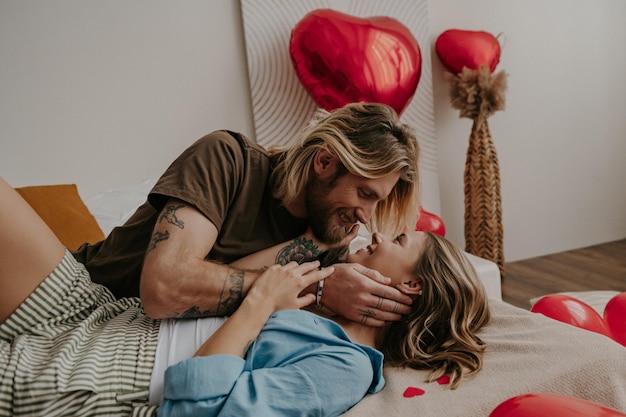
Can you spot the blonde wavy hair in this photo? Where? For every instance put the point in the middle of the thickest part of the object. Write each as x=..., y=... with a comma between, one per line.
x=440, y=333
x=369, y=142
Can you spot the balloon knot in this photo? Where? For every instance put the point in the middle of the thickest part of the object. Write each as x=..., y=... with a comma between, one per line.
x=477, y=93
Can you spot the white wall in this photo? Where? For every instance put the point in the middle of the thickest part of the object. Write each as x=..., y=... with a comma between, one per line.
x=102, y=93
x=561, y=140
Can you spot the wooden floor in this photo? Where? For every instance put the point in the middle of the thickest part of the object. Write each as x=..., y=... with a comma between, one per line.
x=600, y=267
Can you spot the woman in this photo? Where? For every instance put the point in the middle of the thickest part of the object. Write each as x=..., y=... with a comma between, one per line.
x=58, y=330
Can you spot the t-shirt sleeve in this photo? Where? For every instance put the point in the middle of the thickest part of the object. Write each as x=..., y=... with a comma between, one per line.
x=207, y=175
x=325, y=383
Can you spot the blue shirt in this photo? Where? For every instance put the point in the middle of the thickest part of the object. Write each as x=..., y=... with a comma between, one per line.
x=299, y=365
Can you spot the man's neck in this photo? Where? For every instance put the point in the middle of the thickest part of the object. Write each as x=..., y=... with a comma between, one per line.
x=297, y=208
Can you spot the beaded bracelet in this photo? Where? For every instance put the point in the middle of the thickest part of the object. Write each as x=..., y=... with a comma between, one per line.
x=318, y=295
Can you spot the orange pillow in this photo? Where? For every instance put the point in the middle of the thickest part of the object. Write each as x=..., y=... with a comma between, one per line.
x=64, y=211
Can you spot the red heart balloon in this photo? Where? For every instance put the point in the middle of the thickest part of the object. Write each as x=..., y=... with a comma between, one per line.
x=341, y=59
x=577, y=313
x=463, y=48
x=573, y=311
x=615, y=317
x=548, y=404
x=429, y=222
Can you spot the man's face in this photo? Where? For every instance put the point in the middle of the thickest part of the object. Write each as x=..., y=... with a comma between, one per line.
x=336, y=204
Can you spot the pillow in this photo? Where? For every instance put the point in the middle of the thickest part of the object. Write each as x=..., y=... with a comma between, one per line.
x=63, y=210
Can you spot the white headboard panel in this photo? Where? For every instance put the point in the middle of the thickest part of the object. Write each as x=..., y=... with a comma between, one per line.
x=281, y=106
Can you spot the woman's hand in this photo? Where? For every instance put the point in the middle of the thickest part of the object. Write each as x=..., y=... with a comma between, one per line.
x=363, y=295
x=280, y=286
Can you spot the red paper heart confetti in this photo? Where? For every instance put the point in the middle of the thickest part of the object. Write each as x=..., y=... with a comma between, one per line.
x=341, y=59
x=413, y=392
x=443, y=380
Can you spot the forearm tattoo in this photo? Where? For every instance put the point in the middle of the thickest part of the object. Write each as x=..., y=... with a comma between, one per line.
x=299, y=250
x=194, y=313
x=170, y=216
x=232, y=293
x=230, y=298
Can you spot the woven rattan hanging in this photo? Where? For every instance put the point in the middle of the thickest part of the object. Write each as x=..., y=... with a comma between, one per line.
x=477, y=94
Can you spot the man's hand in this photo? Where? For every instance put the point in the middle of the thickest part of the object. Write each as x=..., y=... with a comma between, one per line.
x=363, y=295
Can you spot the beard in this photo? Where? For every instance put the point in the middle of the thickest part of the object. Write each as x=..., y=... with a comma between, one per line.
x=321, y=211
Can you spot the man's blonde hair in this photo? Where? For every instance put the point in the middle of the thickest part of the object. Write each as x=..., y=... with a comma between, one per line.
x=369, y=142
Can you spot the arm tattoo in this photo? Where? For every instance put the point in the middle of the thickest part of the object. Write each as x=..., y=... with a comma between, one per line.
x=233, y=285
x=232, y=293
x=170, y=216
x=299, y=250
x=156, y=238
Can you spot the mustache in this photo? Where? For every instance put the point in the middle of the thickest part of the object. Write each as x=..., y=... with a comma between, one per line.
x=348, y=215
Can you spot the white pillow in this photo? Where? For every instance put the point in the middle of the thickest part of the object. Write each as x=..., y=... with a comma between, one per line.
x=113, y=207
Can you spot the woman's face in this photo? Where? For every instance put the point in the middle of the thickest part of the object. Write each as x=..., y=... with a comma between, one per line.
x=392, y=257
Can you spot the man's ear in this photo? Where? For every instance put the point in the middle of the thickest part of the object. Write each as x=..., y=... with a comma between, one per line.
x=324, y=164
x=410, y=287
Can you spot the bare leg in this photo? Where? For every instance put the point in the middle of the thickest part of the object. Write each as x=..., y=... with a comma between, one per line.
x=29, y=250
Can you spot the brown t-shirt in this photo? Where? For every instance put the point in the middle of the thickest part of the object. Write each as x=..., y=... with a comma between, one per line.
x=226, y=177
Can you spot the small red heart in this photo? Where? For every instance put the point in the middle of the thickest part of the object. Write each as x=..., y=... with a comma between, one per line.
x=443, y=380
x=413, y=392
x=464, y=48
x=341, y=59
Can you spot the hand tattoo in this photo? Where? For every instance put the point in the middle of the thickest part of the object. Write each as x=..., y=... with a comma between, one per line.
x=366, y=314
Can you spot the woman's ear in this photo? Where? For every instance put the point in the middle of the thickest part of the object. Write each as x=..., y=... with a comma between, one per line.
x=324, y=164
x=410, y=287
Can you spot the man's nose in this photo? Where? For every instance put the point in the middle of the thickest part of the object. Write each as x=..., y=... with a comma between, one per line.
x=365, y=213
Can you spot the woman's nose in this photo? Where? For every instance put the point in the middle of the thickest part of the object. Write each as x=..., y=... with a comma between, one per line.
x=377, y=238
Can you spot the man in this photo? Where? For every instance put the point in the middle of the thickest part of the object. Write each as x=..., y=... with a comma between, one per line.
x=226, y=197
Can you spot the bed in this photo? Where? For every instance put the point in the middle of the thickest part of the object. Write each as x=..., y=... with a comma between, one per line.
x=527, y=352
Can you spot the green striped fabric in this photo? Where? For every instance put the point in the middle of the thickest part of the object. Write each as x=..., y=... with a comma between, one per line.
x=71, y=349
